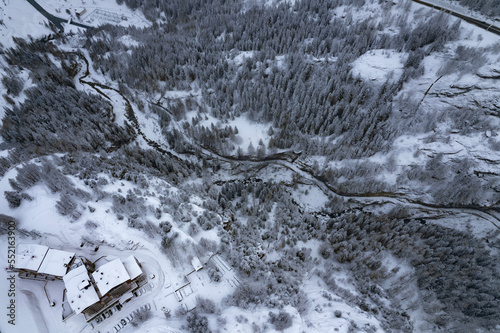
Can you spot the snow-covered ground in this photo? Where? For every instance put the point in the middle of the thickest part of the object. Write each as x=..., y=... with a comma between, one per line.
x=249, y=132
x=115, y=240
x=95, y=12
x=20, y=19
x=380, y=65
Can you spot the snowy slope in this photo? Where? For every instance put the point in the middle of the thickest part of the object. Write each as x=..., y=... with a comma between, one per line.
x=175, y=282
x=20, y=19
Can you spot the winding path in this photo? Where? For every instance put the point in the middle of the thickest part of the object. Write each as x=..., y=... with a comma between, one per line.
x=289, y=160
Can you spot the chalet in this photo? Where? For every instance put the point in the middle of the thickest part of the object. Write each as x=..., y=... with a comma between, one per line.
x=80, y=290
x=88, y=290
x=56, y=263
x=38, y=262
x=113, y=282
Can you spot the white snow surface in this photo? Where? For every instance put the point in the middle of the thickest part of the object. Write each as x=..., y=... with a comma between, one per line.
x=20, y=19
x=132, y=267
x=249, y=132
x=39, y=215
x=56, y=262
x=30, y=256
x=95, y=12
x=110, y=275
x=116, y=240
x=379, y=65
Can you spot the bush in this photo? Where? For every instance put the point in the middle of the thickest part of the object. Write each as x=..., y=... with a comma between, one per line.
x=245, y=295
x=66, y=206
x=197, y=324
x=206, y=305
x=214, y=274
x=13, y=198
x=167, y=241
x=140, y=316
x=6, y=222
x=13, y=84
x=281, y=321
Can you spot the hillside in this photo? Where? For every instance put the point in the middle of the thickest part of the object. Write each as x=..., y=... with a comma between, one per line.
x=332, y=165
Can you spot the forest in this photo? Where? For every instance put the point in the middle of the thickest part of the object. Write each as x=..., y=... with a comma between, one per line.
x=325, y=126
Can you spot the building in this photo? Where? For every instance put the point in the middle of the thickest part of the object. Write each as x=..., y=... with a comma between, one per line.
x=80, y=12
x=38, y=262
x=80, y=290
x=88, y=290
x=56, y=263
x=113, y=282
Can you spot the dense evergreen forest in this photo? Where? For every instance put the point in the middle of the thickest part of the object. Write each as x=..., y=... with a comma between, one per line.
x=297, y=80
x=487, y=7
x=317, y=107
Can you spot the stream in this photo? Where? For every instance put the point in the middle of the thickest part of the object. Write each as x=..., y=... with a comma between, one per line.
x=289, y=160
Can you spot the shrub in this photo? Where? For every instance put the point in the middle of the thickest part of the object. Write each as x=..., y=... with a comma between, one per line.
x=13, y=84
x=66, y=206
x=197, y=324
x=5, y=222
x=206, y=305
x=140, y=316
x=13, y=198
x=281, y=321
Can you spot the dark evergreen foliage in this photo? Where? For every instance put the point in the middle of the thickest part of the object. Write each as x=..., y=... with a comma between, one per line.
x=443, y=259
x=14, y=198
x=301, y=97
x=487, y=7
x=7, y=221
x=281, y=321
x=297, y=77
x=13, y=84
x=197, y=323
x=55, y=116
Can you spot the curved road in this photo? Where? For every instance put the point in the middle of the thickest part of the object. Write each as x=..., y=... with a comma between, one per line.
x=57, y=21
x=481, y=24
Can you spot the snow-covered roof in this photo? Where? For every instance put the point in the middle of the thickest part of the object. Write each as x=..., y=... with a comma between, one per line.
x=80, y=291
x=132, y=267
x=30, y=256
x=56, y=262
x=110, y=275
x=196, y=263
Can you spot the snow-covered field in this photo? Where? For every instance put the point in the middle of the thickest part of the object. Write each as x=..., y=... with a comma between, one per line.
x=380, y=65
x=95, y=12
x=20, y=19
x=175, y=282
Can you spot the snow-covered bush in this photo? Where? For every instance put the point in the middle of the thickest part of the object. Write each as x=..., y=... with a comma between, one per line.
x=13, y=198
x=197, y=323
x=140, y=316
x=281, y=321
x=205, y=305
